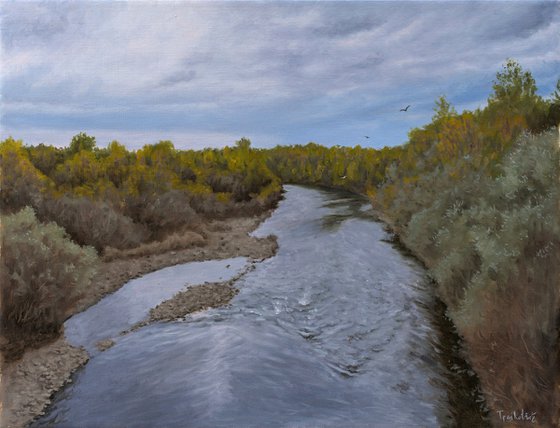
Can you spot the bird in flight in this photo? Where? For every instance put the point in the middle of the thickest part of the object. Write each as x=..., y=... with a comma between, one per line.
x=343, y=177
x=405, y=109
x=365, y=136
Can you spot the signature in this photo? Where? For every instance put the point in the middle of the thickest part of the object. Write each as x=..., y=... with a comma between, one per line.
x=515, y=416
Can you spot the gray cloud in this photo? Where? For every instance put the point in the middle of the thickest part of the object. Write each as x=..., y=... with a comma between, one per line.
x=179, y=77
x=335, y=27
x=509, y=24
x=35, y=23
x=234, y=66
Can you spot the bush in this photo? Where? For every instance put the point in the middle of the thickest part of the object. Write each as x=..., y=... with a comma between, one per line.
x=93, y=223
x=163, y=214
x=43, y=273
x=515, y=227
x=493, y=246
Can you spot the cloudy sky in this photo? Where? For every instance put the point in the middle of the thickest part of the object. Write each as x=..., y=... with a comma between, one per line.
x=207, y=73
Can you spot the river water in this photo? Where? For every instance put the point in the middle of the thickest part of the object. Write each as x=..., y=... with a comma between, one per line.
x=339, y=329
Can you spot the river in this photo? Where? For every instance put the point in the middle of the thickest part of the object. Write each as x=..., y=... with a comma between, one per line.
x=339, y=329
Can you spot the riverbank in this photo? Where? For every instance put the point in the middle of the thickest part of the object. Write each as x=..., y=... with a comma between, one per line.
x=28, y=384
x=499, y=363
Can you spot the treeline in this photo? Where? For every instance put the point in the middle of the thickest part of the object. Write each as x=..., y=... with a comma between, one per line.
x=119, y=198
x=357, y=169
x=112, y=202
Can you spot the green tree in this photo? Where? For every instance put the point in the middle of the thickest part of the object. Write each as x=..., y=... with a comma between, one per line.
x=80, y=142
x=243, y=144
x=556, y=93
x=513, y=86
x=553, y=117
x=443, y=109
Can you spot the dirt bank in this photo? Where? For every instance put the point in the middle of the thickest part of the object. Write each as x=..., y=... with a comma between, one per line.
x=27, y=385
x=224, y=239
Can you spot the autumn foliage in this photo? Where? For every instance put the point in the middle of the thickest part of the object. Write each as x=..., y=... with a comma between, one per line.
x=62, y=206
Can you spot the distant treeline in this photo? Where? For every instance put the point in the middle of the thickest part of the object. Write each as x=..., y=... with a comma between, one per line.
x=474, y=194
x=119, y=198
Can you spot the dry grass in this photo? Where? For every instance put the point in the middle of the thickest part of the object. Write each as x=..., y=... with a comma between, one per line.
x=176, y=241
x=517, y=362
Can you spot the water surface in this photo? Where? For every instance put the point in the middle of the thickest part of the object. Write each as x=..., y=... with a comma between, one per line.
x=132, y=302
x=336, y=330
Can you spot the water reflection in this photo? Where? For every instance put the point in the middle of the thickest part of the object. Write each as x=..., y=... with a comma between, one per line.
x=338, y=329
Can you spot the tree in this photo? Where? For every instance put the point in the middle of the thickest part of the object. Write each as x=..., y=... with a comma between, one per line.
x=443, y=109
x=553, y=117
x=22, y=183
x=243, y=144
x=80, y=142
x=513, y=86
x=514, y=105
x=46, y=158
x=116, y=164
x=556, y=93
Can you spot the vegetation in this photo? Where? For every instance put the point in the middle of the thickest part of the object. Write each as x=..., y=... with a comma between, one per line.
x=357, y=169
x=119, y=198
x=474, y=194
x=493, y=247
x=37, y=293
x=122, y=203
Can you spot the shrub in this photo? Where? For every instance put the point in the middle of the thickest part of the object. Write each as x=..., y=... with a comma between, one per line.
x=493, y=245
x=163, y=214
x=209, y=206
x=93, y=223
x=43, y=273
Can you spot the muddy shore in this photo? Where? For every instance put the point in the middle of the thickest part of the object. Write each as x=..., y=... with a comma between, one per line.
x=28, y=384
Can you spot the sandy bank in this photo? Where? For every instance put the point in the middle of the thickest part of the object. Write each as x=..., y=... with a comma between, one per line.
x=27, y=385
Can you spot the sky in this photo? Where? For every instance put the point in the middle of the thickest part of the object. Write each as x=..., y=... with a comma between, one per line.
x=205, y=74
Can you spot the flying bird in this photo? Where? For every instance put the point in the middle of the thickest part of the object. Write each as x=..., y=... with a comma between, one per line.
x=343, y=177
x=405, y=109
x=365, y=136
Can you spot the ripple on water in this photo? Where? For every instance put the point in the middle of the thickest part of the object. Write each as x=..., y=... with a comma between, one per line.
x=332, y=331
x=132, y=302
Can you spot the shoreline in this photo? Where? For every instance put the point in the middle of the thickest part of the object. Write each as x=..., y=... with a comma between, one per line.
x=29, y=383
x=473, y=352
